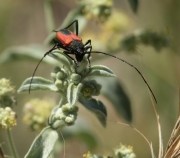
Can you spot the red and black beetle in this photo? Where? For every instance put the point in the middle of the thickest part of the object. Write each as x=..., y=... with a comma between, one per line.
x=72, y=44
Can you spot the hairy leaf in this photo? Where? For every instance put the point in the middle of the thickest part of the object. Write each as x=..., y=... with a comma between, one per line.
x=21, y=53
x=99, y=70
x=72, y=92
x=114, y=92
x=62, y=58
x=82, y=132
x=44, y=144
x=38, y=83
x=97, y=107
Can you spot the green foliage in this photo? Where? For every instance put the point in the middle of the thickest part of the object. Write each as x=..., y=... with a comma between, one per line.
x=117, y=96
x=99, y=70
x=134, y=5
x=79, y=84
x=97, y=107
x=44, y=144
x=74, y=85
x=38, y=83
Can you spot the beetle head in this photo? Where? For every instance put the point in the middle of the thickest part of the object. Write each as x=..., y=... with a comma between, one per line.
x=79, y=55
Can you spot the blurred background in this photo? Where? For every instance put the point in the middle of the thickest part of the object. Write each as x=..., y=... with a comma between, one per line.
x=24, y=23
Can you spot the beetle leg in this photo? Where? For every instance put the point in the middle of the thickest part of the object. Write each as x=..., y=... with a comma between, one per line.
x=53, y=48
x=67, y=54
x=89, y=54
x=76, y=26
x=87, y=42
x=86, y=46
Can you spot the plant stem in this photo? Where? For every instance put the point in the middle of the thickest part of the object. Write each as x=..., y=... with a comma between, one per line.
x=62, y=101
x=49, y=15
x=13, y=149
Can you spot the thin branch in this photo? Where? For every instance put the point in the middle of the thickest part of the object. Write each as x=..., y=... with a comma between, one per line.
x=13, y=149
x=150, y=145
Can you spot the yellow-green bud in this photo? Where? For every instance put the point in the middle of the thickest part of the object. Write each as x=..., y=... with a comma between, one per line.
x=75, y=78
x=53, y=75
x=66, y=113
x=59, y=84
x=57, y=69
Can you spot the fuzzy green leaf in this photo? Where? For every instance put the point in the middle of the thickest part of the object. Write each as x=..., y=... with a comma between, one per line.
x=97, y=107
x=99, y=70
x=81, y=133
x=114, y=92
x=72, y=92
x=44, y=144
x=134, y=5
x=38, y=83
x=87, y=138
x=62, y=58
x=21, y=53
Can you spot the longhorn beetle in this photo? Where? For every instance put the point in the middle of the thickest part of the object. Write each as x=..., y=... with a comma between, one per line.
x=72, y=44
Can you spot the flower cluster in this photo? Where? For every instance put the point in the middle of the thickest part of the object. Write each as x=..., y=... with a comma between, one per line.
x=60, y=78
x=7, y=118
x=111, y=28
x=74, y=84
x=123, y=151
x=100, y=9
x=89, y=155
x=36, y=113
x=7, y=115
x=6, y=91
x=5, y=87
x=157, y=40
x=65, y=115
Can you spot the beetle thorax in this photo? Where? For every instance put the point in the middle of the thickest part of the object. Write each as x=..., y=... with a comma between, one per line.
x=77, y=47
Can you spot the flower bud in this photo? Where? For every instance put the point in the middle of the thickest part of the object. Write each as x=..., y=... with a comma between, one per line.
x=53, y=75
x=100, y=9
x=57, y=69
x=59, y=84
x=67, y=113
x=75, y=78
x=60, y=75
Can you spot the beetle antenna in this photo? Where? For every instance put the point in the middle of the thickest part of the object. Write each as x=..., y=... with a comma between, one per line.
x=35, y=72
x=131, y=66
x=54, y=47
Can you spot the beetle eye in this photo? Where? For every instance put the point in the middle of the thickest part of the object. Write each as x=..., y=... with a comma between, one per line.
x=80, y=51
